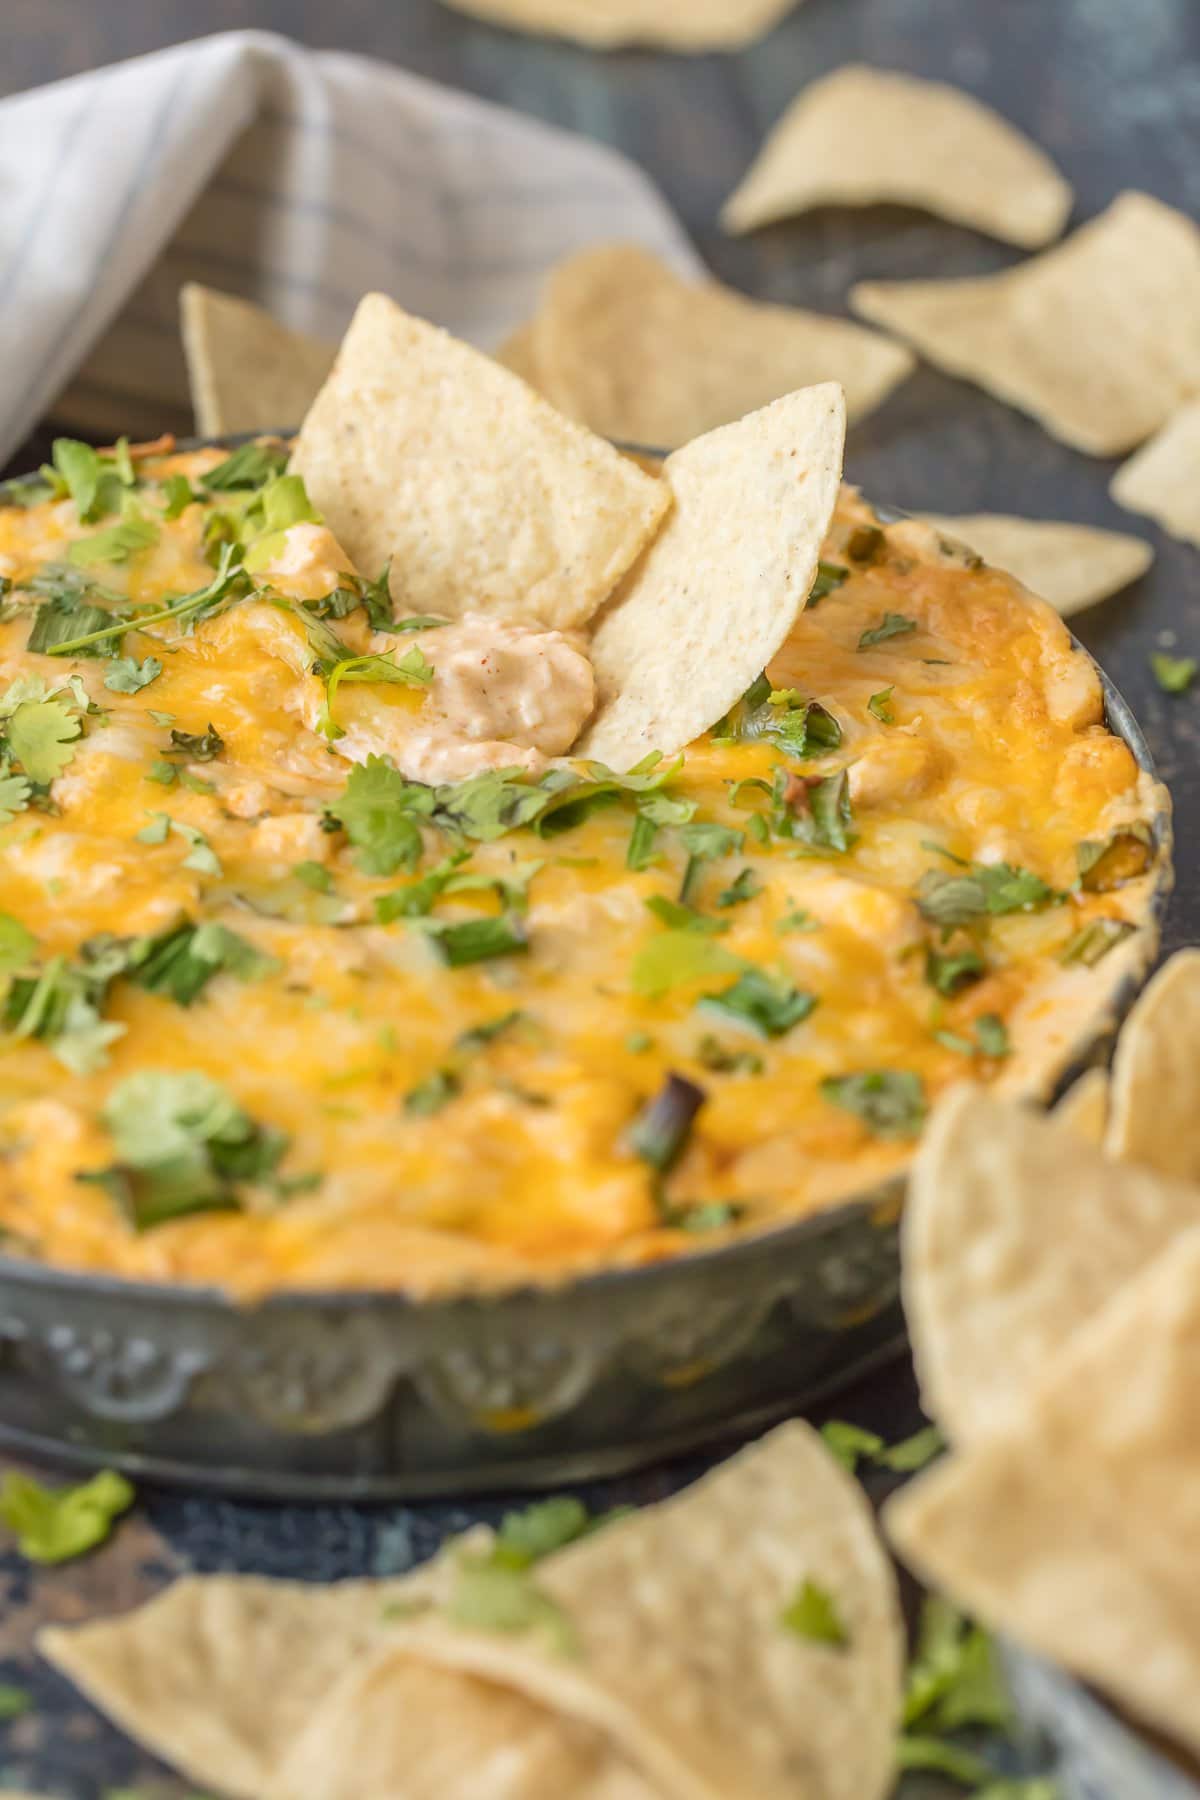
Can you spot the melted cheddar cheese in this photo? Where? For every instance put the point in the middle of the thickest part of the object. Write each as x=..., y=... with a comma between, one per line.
x=419, y=1151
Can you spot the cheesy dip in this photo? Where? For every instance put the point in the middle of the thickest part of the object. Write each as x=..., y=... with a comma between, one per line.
x=324, y=964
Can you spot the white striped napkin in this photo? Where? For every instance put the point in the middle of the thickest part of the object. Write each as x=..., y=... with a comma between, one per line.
x=294, y=178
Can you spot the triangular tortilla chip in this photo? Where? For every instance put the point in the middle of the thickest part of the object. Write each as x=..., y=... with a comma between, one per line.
x=1096, y=338
x=684, y=1657
x=624, y=345
x=423, y=451
x=218, y=1674
x=861, y=136
x=1155, y=1111
x=1083, y=1109
x=1076, y=1530
x=1014, y=1233
x=1071, y=566
x=688, y=25
x=715, y=596
x=1163, y=479
x=246, y=371
x=394, y=1726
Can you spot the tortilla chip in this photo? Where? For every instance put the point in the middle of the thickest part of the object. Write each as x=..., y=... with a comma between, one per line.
x=1155, y=1113
x=246, y=371
x=219, y=1674
x=1071, y=566
x=718, y=592
x=861, y=136
x=1163, y=479
x=1096, y=338
x=627, y=347
x=1014, y=1234
x=683, y=1656
x=1077, y=1529
x=394, y=1726
x=686, y=25
x=424, y=451
x=1083, y=1109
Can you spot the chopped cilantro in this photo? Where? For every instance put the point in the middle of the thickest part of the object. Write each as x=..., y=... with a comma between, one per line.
x=913, y=1453
x=41, y=735
x=705, y=1215
x=539, y=1529
x=476, y=940
x=78, y=467
x=378, y=809
x=712, y=1054
x=986, y=889
x=201, y=856
x=314, y=875
x=745, y=886
x=811, y=1614
x=17, y=945
x=117, y=543
x=177, y=492
x=128, y=676
x=662, y=1128
x=847, y=1443
x=880, y=706
x=15, y=794
x=492, y=1597
x=180, y=961
x=411, y=670
x=1174, y=674
x=954, y=1679
x=938, y=1756
x=891, y=625
x=951, y=971
x=796, y=918
x=890, y=1102
x=157, y=831
x=992, y=1034
x=60, y=1005
x=1094, y=941
x=799, y=726
x=162, y=771
x=200, y=746
x=705, y=843
x=184, y=1145
x=478, y=1037
x=829, y=577
x=821, y=813
x=249, y=466
x=15, y=1702
x=67, y=616
x=864, y=543
x=1108, y=863
x=429, y=1096
x=418, y=898
x=103, y=639
x=766, y=1004
x=683, y=918
x=672, y=958
x=53, y=1525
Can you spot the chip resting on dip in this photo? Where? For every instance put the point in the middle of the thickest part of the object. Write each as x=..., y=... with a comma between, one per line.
x=449, y=853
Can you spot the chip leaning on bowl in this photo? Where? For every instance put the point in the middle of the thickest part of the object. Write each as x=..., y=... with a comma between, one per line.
x=326, y=966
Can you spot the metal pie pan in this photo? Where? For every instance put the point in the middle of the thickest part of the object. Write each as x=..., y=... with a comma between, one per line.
x=359, y=1396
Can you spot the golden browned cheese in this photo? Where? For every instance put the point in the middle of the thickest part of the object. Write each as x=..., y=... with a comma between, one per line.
x=990, y=745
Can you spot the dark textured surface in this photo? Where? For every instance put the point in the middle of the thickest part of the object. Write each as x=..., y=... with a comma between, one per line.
x=1112, y=90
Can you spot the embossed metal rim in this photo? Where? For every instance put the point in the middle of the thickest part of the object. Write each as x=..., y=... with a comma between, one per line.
x=764, y=1245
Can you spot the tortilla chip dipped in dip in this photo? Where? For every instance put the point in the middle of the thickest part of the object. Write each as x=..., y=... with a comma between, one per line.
x=453, y=856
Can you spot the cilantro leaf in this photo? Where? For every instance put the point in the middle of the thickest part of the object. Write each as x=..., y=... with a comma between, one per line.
x=55, y=1524
x=954, y=1678
x=812, y=1615
x=745, y=886
x=412, y=670
x=128, y=676
x=15, y=1702
x=184, y=1144
x=848, y=1443
x=249, y=466
x=712, y=1054
x=672, y=958
x=683, y=918
x=491, y=1597
x=992, y=1034
x=986, y=889
x=178, y=493
x=79, y=468
x=181, y=961
x=880, y=706
x=67, y=616
x=61, y=1005
x=1109, y=862
x=912, y=1453
x=539, y=1529
x=41, y=736
x=830, y=576
x=201, y=856
x=662, y=1128
x=950, y=972
x=890, y=626
x=799, y=726
x=17, y=945
x=705, y=843
x=429, y=1096
x=1174, y=674
x=15, y=793
x=936, y=1755
x=765, y=1004
x=890, y=1102
x=466, y=941
x=378, y=809
x=822, y=816
x=117, y=543
x=200, y=746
